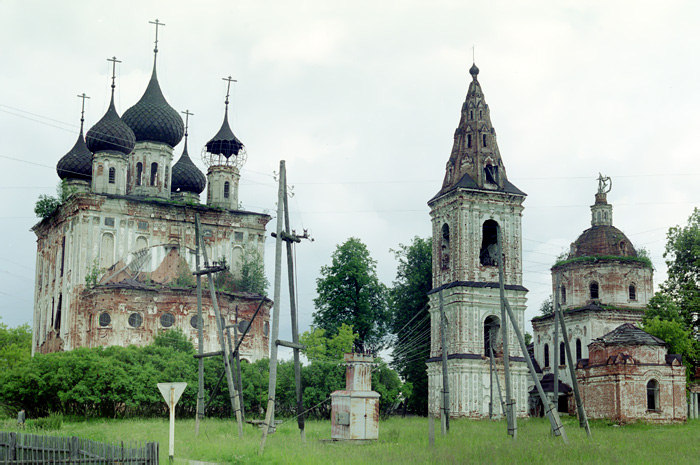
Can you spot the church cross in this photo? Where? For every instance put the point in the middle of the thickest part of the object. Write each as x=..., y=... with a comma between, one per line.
x=114, y=69
x=82, y=111
x=158, y=24
x=228, y=87
x=187, y=119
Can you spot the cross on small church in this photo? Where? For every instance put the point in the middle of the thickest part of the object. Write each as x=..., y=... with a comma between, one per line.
x=187, y=119
x=114, y=68
x=82, y=111
x=228, y=87
x=158, y=24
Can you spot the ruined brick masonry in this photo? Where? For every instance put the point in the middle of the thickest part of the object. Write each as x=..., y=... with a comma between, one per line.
x=114, y=263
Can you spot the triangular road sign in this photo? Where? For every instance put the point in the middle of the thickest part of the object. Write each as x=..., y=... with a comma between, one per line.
x=175, y=388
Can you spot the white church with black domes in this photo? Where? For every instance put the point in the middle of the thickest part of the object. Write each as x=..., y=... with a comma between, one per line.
x=114, y=262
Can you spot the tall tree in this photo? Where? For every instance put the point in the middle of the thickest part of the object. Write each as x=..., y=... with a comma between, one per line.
x=410, y=321
x=349, y=292
x=672, y=313
x=683, y=261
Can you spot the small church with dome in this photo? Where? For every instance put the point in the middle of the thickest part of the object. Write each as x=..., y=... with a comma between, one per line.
x=114, y=262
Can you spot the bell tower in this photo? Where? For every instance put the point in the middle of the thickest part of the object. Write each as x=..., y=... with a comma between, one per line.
x=475, y=199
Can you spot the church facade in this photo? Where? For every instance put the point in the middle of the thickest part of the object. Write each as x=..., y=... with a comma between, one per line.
x=602, y=284
x=114, y=262
x=475, y=199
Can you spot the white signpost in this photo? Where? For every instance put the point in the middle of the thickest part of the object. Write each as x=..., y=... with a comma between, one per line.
x=171, y=393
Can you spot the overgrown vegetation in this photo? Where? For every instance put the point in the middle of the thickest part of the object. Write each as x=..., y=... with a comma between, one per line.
x=92, y=277
x=121, y=382
x=46, y=205
x=644, y=260
x=672, y=313
x=251, y=277
x=185, y=278
x=405, y=441
x=15, y=346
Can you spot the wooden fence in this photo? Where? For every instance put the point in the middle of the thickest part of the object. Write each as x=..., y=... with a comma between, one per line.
x=31, y=449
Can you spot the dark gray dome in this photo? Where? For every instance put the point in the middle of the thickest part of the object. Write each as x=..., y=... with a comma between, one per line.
x=224, y=142
x=110, y=134
x=77, y=163
x=152, y=119
x=474, y=71
x=186, y=176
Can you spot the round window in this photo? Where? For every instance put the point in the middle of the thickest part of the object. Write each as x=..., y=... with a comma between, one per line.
x=194, y=321
x=105, y=319
x=167, y=320
x=243, y=325
x=135, y=320
x=266, y=328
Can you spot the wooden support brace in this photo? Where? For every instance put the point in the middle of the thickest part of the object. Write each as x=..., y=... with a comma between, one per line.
x=291, y=345
x=209, y=354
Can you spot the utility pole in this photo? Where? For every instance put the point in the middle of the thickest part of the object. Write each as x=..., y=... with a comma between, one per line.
x=552, y=413
x=555, y=304
x=237, y=355
x=236, y=374
x=209, y=270
x=289, y=239
x=498, y=383
x=283, y=235
x=445, y=381
x=511, y=419
x=200, y=332
x=582, y=418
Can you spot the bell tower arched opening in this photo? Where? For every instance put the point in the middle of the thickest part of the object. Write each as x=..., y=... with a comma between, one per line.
x=488, y=256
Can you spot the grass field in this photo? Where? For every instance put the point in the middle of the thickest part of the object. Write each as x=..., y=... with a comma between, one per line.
x=405, y=441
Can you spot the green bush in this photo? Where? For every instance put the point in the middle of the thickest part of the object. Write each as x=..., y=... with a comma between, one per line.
x=53, y=422
x=120, y=382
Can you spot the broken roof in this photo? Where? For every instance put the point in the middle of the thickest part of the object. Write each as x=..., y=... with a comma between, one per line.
x=628, y=334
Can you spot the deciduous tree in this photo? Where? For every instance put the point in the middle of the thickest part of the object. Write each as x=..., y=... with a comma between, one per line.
x=349, y=292
x=410, y=321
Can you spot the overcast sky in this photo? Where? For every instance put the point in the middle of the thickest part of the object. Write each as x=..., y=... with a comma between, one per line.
x=362, y=99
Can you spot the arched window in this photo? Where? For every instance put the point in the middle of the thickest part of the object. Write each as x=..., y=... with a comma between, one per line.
x=633, y=292
x=112, y=175
x=483, y=139
x=489, y=244
x=480, y=114
x=445, y=247
x=578, y=349
x=469, y=140
x=562, y=354
x=139, y=173
x=546, y=355
x=593, y=288
x=227, y=189
x=653, y=395
x=154, y=173
x=491, y=327
x=166, y=176
x=471, y=114
x=563, y=294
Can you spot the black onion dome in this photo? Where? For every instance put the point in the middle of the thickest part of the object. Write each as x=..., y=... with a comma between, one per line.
x=110, y=134
x=186, y=176
x=474, y=71
x=224, y=142
x=152, y=119
x=77, y=163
